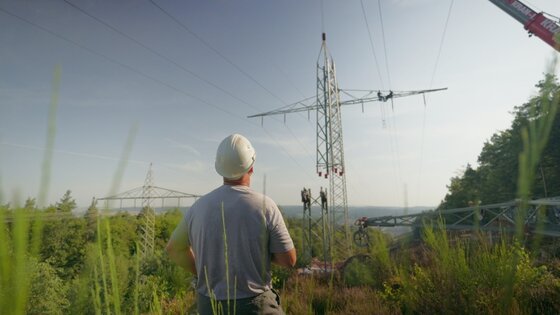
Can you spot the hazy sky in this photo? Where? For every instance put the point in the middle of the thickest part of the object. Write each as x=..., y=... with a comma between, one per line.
x=187, y=86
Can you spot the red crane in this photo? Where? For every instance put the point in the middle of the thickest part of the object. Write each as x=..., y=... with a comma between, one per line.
x=535, y=23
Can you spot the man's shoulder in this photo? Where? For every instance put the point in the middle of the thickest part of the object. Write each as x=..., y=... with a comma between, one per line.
x=238, y=193
x=260, y=196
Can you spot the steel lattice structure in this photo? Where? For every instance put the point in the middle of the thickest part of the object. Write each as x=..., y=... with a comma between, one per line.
x=541, y=216
x=318, y=227
x=148, y=193
x=330, y=149
x=147, y=230
x=330, y=146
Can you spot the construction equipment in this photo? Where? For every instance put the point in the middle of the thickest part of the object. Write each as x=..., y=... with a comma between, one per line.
x=535, y=23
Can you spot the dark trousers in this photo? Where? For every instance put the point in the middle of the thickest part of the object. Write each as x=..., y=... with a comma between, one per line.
x=267, y=303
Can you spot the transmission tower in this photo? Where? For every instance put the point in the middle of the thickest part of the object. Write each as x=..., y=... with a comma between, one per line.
x=147, y=194
x=330, y=149
x=330, y=146
x=147, y=230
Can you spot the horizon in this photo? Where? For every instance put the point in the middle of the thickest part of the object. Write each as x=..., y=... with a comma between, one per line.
x=135, y=87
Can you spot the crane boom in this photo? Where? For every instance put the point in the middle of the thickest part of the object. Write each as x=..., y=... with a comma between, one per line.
x=535, y=23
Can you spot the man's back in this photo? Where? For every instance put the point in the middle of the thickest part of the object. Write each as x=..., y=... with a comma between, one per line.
x=230, y=236
x=250, y=226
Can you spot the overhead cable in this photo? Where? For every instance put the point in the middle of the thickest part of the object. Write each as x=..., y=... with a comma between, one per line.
x=371, y=45
x=142, y=74
x=205, y=43
x=157, y=53
x=384, y=42
x=441, y=43
x=423, y=134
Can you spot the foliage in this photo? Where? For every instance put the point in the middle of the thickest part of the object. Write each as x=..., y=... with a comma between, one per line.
x=66, y=203
x=464, y=277
x=48, y=292
x=373, y=269
x=63, y=245
x=91, y=216
x=89, y=265
x=75, y=270
x=496, y=177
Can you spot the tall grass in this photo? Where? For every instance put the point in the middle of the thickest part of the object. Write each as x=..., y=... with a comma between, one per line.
x=21, y=232
x=450, y=274
x=14, y=237
x=447, y=274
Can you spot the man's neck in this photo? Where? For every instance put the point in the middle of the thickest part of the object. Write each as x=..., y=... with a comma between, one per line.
x=243, y=181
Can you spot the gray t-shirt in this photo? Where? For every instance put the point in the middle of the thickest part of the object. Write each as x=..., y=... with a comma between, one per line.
x=250, y=225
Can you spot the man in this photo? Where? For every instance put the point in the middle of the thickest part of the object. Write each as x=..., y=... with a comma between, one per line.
x=323, y=195
x=229, y=237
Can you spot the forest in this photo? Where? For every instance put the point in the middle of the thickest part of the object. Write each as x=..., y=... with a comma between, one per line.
x=495, y=179
x=54, y=262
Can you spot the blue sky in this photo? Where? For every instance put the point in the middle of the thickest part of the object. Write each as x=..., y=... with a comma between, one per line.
x=184, y=97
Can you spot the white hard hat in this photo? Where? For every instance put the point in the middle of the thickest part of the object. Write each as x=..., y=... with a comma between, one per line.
x=235, y=156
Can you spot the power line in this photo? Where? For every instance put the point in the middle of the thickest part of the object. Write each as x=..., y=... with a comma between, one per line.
x=441, y=42
x=177, y=64
x=107, y=58
x=288, y=153
x=423, y=134
x=393, y=139
x=371, y=45
x=205, y=43
x=322, y=16
x=226, y=59
x=151, y=78
x=114, y=29
x=114, y=61
x=384, y=42
x=229, y=61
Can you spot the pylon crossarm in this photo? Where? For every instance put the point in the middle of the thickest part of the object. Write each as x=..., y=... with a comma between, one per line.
x=307, y=104
x=383, y=96
x=366, y=96
x=157, y=193
x=164, y=192
x=129, y=194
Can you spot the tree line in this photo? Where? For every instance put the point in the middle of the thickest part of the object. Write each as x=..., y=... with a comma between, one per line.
x=496, y=178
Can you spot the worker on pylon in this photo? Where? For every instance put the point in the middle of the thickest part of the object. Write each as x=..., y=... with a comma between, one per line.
x=323, y=195
x=389, y=96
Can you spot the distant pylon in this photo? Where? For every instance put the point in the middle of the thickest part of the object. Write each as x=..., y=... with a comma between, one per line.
x=148, y=194
x=147, y=230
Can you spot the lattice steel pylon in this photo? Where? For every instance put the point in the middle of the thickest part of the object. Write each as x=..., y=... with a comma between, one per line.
x=147, y=230
x=147, y=194
x=330, y=146
x=330, y=150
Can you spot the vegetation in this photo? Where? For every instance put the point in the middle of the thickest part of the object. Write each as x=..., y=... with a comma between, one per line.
x=496, y=178
x=54, y=263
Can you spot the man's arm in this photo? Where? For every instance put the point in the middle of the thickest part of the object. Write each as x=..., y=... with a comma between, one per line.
x=179, y=248
x=286, y=259
x=184, y=257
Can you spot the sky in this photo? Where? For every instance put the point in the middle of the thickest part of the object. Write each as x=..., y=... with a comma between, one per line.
x=164, y=81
